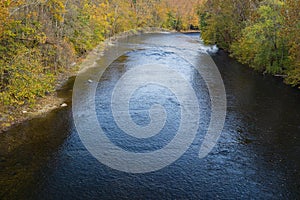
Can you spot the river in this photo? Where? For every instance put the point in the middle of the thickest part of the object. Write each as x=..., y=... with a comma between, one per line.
x=256, y=157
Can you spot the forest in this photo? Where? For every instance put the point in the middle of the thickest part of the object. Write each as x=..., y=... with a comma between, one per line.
x=264, y=34
x=40, y=39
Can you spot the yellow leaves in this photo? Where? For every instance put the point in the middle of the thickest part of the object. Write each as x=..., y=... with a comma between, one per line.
x=6, y=125
x=57, y=8
x=293, y=77
x=103, y=6
x=4, y=15
x=27, y=78
x=42, y=36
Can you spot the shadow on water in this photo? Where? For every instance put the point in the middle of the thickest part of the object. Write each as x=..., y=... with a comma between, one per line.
x=25, y=149
x=257, y=155
x=65, y=91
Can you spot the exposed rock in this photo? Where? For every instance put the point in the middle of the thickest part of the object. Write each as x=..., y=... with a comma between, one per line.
x=73, y=64
x=64, y=105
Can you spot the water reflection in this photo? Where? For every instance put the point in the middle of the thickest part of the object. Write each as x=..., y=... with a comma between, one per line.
x=257, y=155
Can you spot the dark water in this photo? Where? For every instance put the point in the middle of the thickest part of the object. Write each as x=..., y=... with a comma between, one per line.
x=257, y=156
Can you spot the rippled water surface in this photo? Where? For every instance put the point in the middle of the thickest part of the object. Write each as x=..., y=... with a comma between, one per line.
x=257, y=155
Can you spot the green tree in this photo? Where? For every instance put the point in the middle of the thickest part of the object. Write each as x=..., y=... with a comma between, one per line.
x=262, y=45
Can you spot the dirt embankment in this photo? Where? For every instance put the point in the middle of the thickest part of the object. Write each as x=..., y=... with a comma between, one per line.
x=57, y=99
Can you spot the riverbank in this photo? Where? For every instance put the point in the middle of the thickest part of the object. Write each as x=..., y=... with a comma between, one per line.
x=45, y=158
x=18, y=115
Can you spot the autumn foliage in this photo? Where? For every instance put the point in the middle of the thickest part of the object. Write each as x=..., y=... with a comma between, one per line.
x=265, y=34
x=39, y=39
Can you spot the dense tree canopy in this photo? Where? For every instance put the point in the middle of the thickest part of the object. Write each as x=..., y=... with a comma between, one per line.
x=41, y=38
x=262, y=33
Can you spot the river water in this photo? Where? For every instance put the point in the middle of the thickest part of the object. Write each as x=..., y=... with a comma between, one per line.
x=256, y=157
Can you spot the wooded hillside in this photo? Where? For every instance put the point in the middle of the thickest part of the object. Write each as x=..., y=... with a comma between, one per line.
x=39, y=39
x=264, y=34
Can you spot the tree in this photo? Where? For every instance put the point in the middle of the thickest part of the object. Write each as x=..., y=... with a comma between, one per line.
x=262, y=33
x=262, y=45
x=291, y=12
